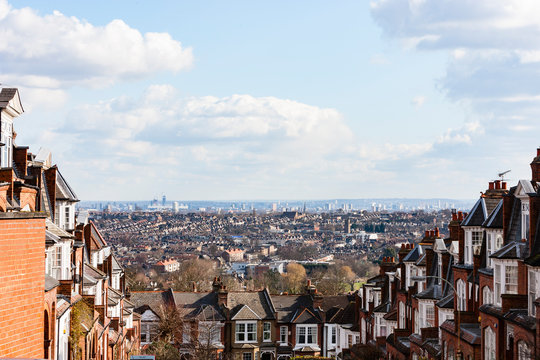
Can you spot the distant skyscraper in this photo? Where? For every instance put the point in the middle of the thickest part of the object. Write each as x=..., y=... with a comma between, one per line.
x=163, y=200
x=176, y=207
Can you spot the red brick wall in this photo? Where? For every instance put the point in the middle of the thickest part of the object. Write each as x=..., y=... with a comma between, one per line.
x=22, y=266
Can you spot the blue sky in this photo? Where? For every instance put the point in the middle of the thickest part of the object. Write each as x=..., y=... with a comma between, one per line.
x=272, y=100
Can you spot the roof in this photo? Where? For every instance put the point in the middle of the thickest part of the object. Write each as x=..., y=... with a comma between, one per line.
x=307, y=316
x=288, y=305
x=50, y=283
x=495, y=219
x=513, y=250
x=483, y=208
x=257, y=301
x=63, y=190
x=201, y=305
x=9, y=98
x=414, y=254
x=155, y=300
x=56, y=230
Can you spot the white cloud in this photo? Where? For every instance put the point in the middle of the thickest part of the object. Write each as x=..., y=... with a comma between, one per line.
x=493, y=71
x=273, y=147
x=418, y=101
x=57, y=51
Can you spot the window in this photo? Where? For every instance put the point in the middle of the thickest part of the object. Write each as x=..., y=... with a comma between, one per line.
x=349, y=340
x=333, y=338
x=487, y=295
x=267, y=333
x=68, y=216
x=533, y=291
x=210, y=332
x=497, y=278
x=525, y=220
x=524, y=353
x=461, y=295
x=401, y=315
x=283, y=332
x=186, y=333
x=306, y=334
x=489, y=344
x=247, y=356
x=246, y=332
x=430, y=315
x=416, y=322
x=511, y=279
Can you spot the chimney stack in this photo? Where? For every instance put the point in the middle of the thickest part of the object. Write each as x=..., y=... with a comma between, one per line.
x=535, y=166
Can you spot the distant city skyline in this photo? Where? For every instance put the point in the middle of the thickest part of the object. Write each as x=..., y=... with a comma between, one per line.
x=254, y=100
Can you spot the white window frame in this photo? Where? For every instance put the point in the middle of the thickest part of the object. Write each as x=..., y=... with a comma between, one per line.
x=525, y=225
x=533, y=289
x=500, y=278
x=487, y=295
x=283, y=335
x=308, y=331
x=461, y=295
x=490, y=345
x=245, y=325
x=267, y=331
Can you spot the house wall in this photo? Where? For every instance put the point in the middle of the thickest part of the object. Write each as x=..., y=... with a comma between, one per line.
x=22, y=285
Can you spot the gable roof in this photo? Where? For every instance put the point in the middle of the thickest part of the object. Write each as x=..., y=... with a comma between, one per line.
x=257, y=301
x=63, y=190
x=287, y=305
x=478, y=214
x=306, y=316
x=495, y=219
x=513, y=250
x=414, y=254
x=245, y=313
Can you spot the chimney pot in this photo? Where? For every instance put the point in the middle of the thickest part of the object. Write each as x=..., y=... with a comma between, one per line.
x=431, y=233
x=427, y=233
x=437, y=232
x=503, y=185
x=491, y=185
x=538, y=151
x=497, y=184
x=309, y=283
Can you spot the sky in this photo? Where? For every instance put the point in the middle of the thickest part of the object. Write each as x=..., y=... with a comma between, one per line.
x=234, y=100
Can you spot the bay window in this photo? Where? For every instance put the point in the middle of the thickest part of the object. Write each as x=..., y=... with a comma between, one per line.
x=306, y=334
x=505, y=278
x=246, y=332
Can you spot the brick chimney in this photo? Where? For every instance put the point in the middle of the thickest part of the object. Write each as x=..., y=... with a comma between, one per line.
x=535, y=166
x=222, y=295
x=317, y=299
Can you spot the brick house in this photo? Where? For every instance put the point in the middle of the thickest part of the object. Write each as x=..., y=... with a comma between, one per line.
x=40, y=234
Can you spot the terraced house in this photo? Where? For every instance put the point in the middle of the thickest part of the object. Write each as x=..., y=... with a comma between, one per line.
x=250, y=325
x=62, y=290
x=472, y=295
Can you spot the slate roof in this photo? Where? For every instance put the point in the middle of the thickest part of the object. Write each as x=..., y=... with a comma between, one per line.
x=64, y=191
x=344, y=316
x=258, y=301
x=446, y=302
x=287, y=305
x=495, y=219
x=521, y=317
x=50, y=283
x=414, y=254
x=513, y=250
x=155, y=300
x=477, y=215
x=334, y=301
x=307, y=316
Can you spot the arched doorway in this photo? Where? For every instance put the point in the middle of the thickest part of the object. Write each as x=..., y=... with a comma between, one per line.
x=266, y=356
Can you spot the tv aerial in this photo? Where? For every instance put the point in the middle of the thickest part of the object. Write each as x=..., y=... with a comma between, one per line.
x=502, y=174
